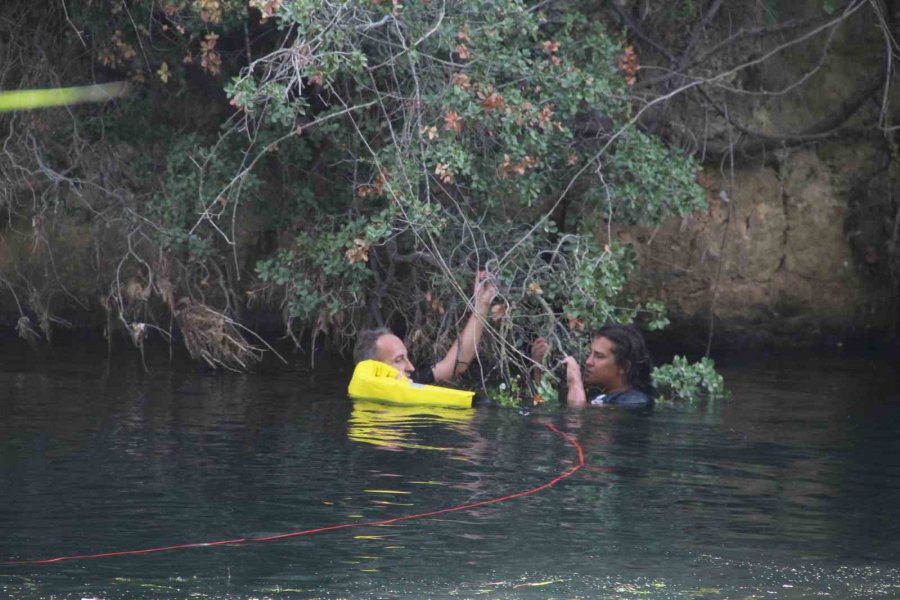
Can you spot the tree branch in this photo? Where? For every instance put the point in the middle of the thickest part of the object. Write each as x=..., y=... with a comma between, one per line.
x=828, y=126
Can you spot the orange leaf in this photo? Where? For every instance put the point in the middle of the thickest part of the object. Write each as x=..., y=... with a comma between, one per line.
x=546, y=115
x=461, y=80
x=492, y=100
x=628, y=65
x=444, y=173
x=550, y=46
x=518, y=168
x=359, y=253
x=453, y=122
x=463, y=34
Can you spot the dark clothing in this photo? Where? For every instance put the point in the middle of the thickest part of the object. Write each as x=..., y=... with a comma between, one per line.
x=423, y=375
x=624, y=398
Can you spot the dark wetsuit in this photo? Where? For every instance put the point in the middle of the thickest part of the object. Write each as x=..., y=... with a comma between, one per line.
x=423, y=375
x=624, y=398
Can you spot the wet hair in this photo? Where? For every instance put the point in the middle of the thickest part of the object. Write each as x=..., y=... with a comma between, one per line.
x=631, y=354
x=367, y=343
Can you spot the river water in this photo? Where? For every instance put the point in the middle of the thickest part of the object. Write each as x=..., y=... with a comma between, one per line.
x=789, y=490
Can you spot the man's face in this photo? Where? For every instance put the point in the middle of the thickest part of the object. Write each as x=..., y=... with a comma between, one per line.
x=600, y=368
x=391, y=350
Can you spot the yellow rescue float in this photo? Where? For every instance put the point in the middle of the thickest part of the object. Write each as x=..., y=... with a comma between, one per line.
x=379, y=381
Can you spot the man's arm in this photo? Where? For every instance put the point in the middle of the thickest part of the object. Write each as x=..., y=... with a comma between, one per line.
x=463, y=349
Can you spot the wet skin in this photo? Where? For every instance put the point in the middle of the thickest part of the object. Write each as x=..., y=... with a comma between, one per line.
x=391, y=350
x=601, y=369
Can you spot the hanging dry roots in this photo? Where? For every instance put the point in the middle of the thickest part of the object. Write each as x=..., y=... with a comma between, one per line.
x=213, y=337
x=25, y=331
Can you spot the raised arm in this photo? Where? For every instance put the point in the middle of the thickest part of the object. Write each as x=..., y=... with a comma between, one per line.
x=463, y=349
x=576, y=396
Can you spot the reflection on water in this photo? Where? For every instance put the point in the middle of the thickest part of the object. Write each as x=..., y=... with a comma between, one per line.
x=789, y=490
x=395, y=427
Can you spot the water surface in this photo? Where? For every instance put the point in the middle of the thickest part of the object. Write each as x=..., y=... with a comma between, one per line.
x=788, y=490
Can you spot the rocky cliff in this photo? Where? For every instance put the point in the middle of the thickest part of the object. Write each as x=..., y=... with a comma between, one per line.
x=784, y=256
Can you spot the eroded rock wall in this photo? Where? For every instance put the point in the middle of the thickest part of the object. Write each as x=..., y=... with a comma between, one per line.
x=771, y=263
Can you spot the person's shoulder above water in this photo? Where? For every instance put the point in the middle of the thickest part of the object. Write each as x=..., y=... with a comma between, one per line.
x=630, y=398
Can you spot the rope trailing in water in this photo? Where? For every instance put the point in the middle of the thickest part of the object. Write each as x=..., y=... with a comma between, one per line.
x=282, y=536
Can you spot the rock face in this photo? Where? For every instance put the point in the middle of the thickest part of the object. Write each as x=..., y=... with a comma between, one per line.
x=801, y=242
x=770, y=263
x=789, y=253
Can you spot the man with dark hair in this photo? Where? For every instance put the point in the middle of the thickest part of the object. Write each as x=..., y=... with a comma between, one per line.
x=618, y=365
x=382, y=345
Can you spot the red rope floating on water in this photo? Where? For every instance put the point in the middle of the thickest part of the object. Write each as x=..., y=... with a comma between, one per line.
x=282, y=536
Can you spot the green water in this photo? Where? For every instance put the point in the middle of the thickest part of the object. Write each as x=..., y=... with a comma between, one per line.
x=789, y=490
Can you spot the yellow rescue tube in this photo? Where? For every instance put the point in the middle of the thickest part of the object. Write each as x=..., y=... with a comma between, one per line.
x=378, y=381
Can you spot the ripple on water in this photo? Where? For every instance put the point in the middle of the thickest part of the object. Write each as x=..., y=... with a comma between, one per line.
x=789, y=490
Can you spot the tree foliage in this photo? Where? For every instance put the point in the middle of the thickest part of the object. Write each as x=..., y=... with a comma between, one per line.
x=355, y=163
x=457, y=135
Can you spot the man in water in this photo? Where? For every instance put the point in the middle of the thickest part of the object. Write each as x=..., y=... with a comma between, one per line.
x=382, y=345
x=616, y=370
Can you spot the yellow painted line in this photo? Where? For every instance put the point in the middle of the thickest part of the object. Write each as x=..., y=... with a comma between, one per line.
x=389, y=503
x=386, y=492
x=368, y=537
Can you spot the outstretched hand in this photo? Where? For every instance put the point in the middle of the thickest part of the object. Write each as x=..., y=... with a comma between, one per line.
x=485, y=290
x=573, y=371
x=575, y=395
x=539, y=353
